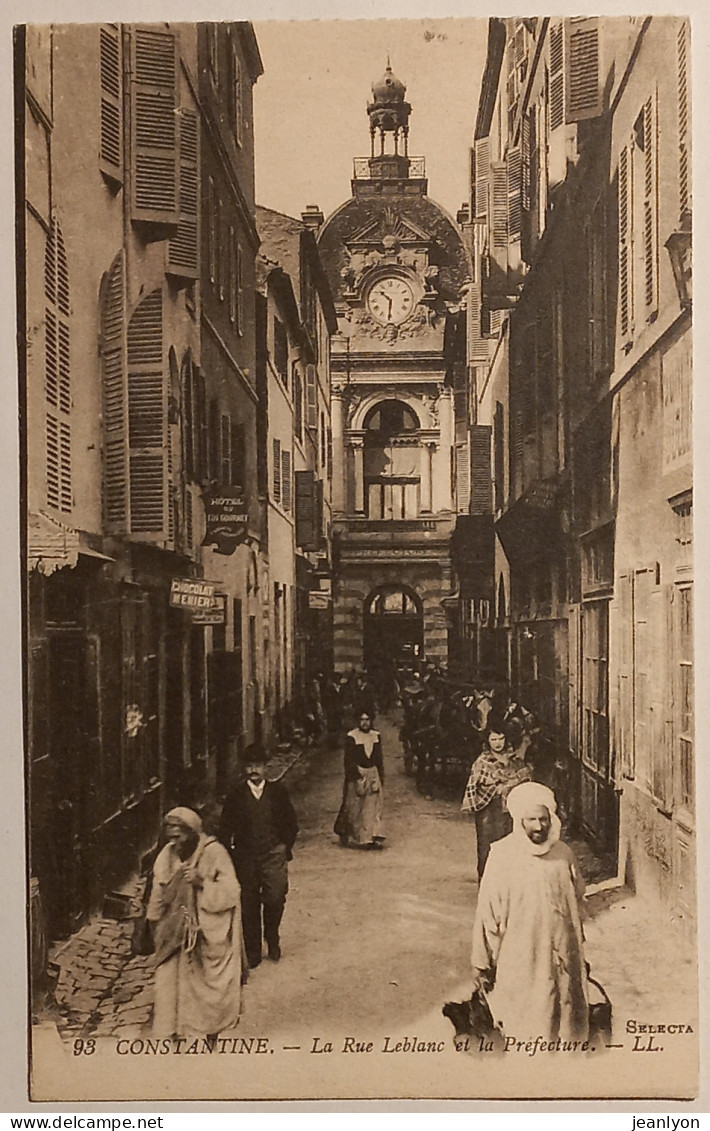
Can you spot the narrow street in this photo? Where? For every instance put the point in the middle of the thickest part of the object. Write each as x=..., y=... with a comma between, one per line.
x=376, y=942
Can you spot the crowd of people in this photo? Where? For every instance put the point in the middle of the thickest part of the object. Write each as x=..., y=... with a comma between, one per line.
x=213, y=901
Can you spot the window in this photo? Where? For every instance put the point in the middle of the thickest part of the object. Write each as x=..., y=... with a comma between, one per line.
x=154, y=124
x=595, y=659
x=281, y=350
x=684, y=195
x=323, y=440
x=211, y=230
x=184, y=249
x=236, y=110
x=685, y=694
x=57, y=373
x=638, y=222
x=286, y=479
x=111, y=147
x=276, y=471
x=297, y=392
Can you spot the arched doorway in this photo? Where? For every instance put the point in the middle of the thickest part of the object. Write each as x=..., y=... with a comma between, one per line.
x=393, y=627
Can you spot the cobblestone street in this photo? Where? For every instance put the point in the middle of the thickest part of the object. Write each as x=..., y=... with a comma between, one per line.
x=414, y=905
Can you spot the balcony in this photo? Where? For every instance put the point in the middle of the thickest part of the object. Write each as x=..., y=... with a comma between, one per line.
x=358, y=531
x=374, y=168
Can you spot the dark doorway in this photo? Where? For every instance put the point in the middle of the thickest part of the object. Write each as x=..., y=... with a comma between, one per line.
x=393, y=629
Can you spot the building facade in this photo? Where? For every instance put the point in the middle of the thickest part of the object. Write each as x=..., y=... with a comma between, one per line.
x=397, y=266
x=123, y=440
x=581, y=217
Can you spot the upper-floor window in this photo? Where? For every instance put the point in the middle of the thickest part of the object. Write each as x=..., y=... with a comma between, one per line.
x=392, y=461
x=638, y=223
x=57, y=373
x=236, y=102
x=280, y=356
x=297, y=389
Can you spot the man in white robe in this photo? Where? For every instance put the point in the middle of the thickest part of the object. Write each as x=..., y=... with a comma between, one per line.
x=527, y=935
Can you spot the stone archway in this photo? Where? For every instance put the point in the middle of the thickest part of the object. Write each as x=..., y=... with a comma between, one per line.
x=393, y=627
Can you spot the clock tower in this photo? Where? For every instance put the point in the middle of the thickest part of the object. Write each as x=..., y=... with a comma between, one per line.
x=398, y=269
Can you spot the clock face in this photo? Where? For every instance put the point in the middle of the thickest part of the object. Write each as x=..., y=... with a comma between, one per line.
x=390, y=300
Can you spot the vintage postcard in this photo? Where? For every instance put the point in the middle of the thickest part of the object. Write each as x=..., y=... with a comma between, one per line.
x=356, y=407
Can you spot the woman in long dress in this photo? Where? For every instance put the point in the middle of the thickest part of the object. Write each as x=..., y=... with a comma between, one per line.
x=493, y=775
x=360, y=818
x=195, y=912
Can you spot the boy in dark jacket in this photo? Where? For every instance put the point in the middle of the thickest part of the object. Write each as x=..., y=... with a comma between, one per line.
x=259, y=827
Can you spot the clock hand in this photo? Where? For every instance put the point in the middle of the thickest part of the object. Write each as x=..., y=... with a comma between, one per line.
x=389, y=312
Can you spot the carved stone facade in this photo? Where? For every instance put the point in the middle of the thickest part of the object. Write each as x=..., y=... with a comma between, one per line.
x=397, y=267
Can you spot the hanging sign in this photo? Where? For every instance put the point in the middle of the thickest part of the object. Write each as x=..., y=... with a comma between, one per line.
x=215, y=614
x=191, y=593
x=318, y=600
x=227, y=519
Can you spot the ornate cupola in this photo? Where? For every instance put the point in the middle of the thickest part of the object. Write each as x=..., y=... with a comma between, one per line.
x=389, y=117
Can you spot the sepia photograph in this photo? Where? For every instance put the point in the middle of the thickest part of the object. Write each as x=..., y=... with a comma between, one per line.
x=355, y=385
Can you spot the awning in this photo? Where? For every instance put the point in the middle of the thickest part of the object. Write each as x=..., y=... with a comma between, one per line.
x=530, y=529
x=51, y=545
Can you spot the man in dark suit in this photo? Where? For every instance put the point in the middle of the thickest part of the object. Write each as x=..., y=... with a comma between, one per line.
x=259, y=827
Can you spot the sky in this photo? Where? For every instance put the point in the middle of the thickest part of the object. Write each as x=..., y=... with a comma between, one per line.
x=310, y=116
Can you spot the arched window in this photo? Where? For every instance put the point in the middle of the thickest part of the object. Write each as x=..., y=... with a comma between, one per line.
x=392, y=461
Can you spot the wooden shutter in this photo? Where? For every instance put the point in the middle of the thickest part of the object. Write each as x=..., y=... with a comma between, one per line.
x=477, y=344
x=212, y=234
x=650, y=205
x=57, y=373
x=201, y=428
x=625, y=244
x=114, y=376
x=225, y=449
x=148, y=439
x=514, y=173
x=480, y=440
x=276, y=477
x=463, y=477
x=154, y=140
x=239, y=286
x=307, y=530
x=237, y=445
x=214, y=444
x=286, y=479
x=557, y=75
x=624, y=724
x=684, y=198
x=184, y=249
x=483, y=166
x=311, y=397
x=499, y=222
x=582, y=78
x=526, y=131
x=111, y=149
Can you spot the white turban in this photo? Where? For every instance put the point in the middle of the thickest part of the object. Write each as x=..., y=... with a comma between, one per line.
x=184, y=816
x=529, y=795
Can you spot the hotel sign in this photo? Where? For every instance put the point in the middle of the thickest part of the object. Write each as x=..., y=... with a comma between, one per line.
x=227, y=519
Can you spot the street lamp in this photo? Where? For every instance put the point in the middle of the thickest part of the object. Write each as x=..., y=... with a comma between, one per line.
x=679, y=245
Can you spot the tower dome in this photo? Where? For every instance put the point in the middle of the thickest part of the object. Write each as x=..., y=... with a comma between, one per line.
x=389, y=88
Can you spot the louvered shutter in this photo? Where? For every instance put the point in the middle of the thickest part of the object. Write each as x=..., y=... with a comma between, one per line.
x=188, y=417
x=148, y=440
x=114, y=375
x=499, y=225
x=480, y=440
x=307, y=530
x=582, y=78
x=111, y=151
x=526, y=129
x=237, y=444
x=311, y=397
x=650, y=205
x=214, y=442
x=154, y=139
x=463, y=477
x=183, y=250
x=626, y=312
x=477, y=344
x=514, y=175
x=557, y=75
x=286, y=479
x=225, y=449
x=276, y=471
x=57, y=373
x=684, y=196
x=483, y=165
x=201, y=428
